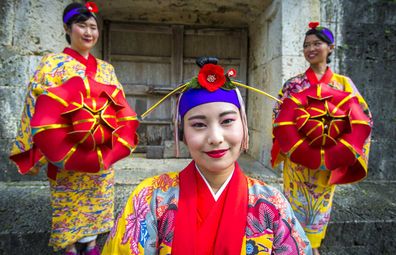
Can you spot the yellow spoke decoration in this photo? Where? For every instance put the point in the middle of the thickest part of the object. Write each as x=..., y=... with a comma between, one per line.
x=100, y=158
x=58, y=99
x=343, y=101
x=83, y=121
x=285, y=123
x=295, y=146
x=127, y=118
x=51, y=126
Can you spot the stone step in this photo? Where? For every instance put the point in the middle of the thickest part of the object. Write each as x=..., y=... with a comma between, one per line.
x=363, y=218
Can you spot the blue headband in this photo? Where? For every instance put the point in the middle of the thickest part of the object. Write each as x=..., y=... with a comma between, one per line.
x=90, y=7
x=70, y=14
x=194, y=97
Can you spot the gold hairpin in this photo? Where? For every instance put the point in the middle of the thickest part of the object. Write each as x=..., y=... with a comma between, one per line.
x=185, y=85
x=163, y=99
x=256, y=90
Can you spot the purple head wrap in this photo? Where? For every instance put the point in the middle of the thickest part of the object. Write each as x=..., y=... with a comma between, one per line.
x=329, y=35
x=323, y=32
x=89, y=9
x=71, y=13
x=194, y=97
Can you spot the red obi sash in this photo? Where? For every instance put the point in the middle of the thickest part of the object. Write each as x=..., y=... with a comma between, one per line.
x=204, y=226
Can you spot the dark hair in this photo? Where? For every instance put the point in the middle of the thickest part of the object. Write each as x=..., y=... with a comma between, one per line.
x=321, y=37
x=201, y=61
x=83, y=15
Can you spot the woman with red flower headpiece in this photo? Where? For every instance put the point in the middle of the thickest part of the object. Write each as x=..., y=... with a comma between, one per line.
x=210, y=207
x=76, y=123
x=321, y=133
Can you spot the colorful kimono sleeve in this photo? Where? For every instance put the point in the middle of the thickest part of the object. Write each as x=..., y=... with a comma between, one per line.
x=113, y=78
x=288, y=232
x=350, y=87
x=135, y=230
x=25, y=155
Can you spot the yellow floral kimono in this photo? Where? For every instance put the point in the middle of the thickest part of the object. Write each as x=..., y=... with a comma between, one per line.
x=309, y=190
x=146, y=225
x=82, y=203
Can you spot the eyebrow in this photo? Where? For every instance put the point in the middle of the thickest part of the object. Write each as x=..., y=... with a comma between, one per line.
x=227, y=112
x=201, y=117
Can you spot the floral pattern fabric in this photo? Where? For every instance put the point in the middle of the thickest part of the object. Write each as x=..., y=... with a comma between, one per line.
x=308, y=190
x=82, y=203
x=146, y=224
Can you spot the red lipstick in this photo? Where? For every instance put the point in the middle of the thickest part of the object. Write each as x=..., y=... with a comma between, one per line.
x=216, y=153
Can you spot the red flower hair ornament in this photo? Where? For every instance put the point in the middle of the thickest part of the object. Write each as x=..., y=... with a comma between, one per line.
x=92, y=7
x=313, y=25
x=211, y=77
x=323, y=128
x=84, y=126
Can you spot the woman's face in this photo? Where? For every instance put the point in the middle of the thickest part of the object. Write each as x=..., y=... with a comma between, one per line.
x=84, y=35
x=213, y=133
x=316, y=50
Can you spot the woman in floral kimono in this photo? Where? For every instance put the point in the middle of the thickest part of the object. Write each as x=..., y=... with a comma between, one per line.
x=82, y=202
x=310, y=189
x=210, y=207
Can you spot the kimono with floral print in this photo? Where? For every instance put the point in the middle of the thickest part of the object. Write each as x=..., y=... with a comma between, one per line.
x=82, y=204
x=308, y=190
x=146, y=224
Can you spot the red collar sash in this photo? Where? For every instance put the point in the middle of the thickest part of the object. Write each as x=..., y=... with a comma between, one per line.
x=230, y=224
x=90, y=63
x=209, y=214
x=313, y=80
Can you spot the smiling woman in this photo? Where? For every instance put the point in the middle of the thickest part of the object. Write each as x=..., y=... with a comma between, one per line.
x=76, y=124
x=322, y=133
x=210, y=207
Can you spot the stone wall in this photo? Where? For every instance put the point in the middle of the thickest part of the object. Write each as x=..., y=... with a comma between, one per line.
x=265, y=63
x=369, y=58
x=29, y=29
x=366, y=52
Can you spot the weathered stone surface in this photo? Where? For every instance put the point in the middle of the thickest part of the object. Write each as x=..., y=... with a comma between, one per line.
x=369, y=36
x=206, y=12
x=170, y=150
x=361, y=213
x=155, y=152
x=6, y=21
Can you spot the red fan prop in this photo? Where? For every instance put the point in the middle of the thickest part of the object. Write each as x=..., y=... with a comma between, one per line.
x=84, y=126
x=322, y=128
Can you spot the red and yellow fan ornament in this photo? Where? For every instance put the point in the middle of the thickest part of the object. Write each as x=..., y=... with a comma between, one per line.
x=323, y=128
x=84, y=126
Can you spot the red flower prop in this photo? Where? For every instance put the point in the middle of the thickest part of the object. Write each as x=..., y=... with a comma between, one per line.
x=92, y=7
x=211, y=77
x=322, y=128
x=313, y=25
x=84, y=126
